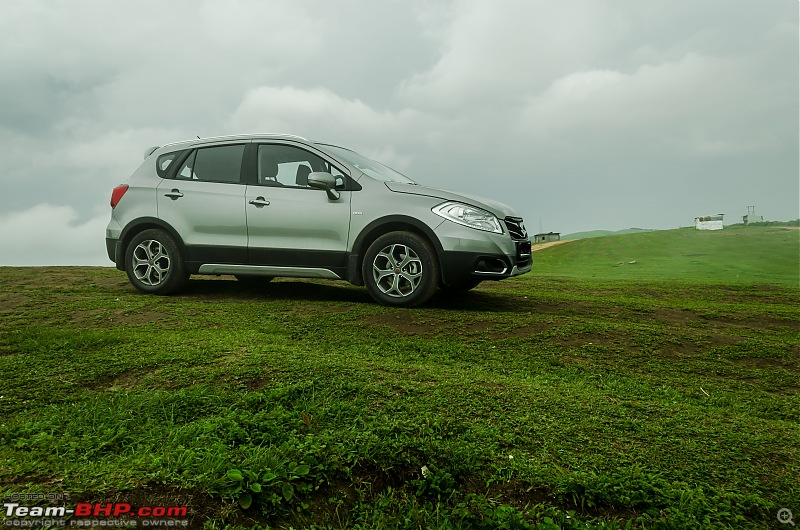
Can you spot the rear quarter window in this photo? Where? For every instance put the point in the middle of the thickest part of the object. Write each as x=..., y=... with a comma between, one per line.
x=214, y=164
x=164, y=162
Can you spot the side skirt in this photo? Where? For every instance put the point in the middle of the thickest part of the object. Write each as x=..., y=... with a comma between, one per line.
x=265, y=270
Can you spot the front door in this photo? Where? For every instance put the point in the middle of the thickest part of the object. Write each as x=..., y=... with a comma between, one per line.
x=290, y=224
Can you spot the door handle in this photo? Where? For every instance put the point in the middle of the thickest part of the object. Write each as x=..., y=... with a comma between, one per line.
x=259, y=202
x=175, y=194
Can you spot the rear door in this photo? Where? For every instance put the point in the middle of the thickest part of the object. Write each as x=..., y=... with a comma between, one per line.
x=290, y=224
x=205, y=203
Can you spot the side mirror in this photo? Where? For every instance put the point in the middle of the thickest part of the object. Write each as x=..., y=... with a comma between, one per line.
x=324, y=181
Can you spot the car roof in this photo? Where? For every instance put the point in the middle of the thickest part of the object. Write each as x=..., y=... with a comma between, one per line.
x=254, y=136
x=195, y=142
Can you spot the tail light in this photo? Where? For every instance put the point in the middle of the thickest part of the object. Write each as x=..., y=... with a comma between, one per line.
x=117, y=194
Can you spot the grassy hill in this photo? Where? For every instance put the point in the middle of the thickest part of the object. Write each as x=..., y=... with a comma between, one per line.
x=541, y=402
x=602, y=233
x=738, y=255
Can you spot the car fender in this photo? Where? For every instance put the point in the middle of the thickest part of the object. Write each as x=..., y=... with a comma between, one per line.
x=136, y=226
x=378, y=227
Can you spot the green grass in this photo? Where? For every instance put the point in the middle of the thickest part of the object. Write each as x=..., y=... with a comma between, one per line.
x=538, y=402
x=736, y=255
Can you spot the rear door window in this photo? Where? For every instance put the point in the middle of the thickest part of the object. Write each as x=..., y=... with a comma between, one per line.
x=214, y=164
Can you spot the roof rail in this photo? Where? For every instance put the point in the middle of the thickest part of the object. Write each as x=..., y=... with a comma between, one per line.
x=250, y=135
x=242, y=136
x=285, y=135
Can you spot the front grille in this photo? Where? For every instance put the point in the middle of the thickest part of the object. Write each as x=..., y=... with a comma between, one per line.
x=516, y=228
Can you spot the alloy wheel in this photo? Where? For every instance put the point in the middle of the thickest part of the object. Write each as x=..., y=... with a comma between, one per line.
x=397, y=270
x=151, y=262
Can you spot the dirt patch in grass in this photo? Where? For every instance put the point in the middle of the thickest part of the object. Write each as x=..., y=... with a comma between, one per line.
x=116, y=282
x=605, y=339
x=527, y=330
x=576, y=360
x=9, y=302
x=334, y=309
x=404, y=323
x=751, y=322
x=675, y=346
x=127, y=380
x=761, y=363
x=689, y=343
x=480, y=326
x=676, y=317
x=257, y=384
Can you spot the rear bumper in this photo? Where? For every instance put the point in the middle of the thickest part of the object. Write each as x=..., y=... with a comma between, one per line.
x=114, y=251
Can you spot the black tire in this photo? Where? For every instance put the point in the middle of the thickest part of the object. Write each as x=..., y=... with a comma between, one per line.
x=458, y=289
x=154, y=263
x=401, y=269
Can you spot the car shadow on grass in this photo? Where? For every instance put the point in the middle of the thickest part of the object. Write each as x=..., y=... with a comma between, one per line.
x=335, y=291
x=478, y=301
x=279, y=289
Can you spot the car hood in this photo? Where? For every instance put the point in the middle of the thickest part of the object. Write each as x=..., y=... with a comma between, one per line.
x=497, y=208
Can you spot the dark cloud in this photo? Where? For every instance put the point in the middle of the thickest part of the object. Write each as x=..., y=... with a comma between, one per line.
x=586, y=114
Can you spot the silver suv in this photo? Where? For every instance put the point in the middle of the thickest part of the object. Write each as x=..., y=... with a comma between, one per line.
x=261, y=206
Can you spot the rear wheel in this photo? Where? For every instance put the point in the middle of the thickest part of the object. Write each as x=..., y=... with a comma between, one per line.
x=401, y=269
x=154, y=263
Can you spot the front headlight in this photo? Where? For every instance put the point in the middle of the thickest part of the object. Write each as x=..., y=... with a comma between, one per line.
x=468, y=216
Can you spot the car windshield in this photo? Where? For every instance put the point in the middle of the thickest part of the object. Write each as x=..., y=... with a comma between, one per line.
x=367, y=166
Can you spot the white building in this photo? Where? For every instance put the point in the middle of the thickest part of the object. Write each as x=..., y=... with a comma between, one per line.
x=709, y=222
x=751, y=216
x=547, y=238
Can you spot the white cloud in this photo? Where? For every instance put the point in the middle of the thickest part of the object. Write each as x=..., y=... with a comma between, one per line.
x=321, y=114
x=49, y=234
x=706, y=106
x=498, y=53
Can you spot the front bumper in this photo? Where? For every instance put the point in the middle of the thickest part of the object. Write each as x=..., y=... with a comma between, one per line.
x=467, y=254
x=461, y=266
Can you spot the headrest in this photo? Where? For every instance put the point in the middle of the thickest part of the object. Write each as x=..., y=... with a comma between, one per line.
x=267, y=166
x=302, y=175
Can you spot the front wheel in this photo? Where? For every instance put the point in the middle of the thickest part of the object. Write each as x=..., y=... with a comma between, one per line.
x=154, y=263
x=401, y=269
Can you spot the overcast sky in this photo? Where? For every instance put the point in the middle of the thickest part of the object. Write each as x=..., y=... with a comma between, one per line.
x=583, y=114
